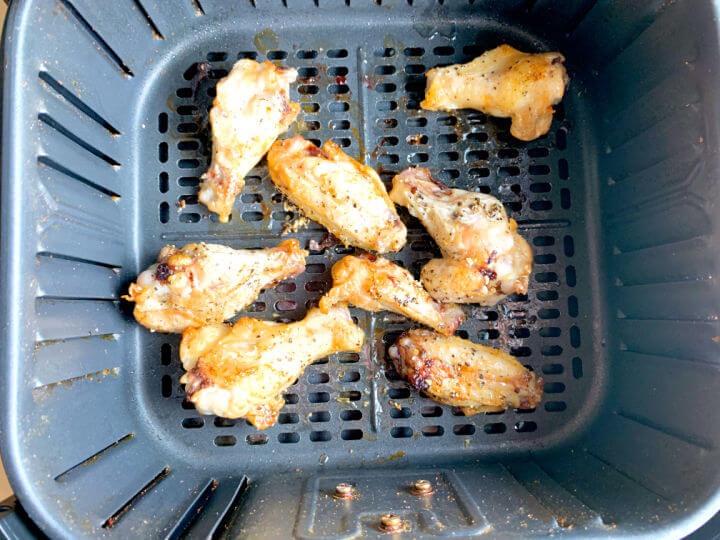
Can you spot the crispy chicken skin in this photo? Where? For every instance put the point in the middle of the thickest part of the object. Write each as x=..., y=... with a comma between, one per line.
x=484, y=258
x=243, y=370
x=457, y=372
x=202, y=284
x=345, y=196
x=375, y=284
x=502, y=82
x=251, y=109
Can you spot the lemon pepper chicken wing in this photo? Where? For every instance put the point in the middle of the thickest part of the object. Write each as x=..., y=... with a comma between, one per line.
x=345, y=196
x=201, y=284
x=375, y=284
x=243, y=370
x=502, y=82
x=252, y=107
x=484, y=258
x=457, y=372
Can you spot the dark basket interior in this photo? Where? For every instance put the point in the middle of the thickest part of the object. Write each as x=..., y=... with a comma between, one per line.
x=108, y=132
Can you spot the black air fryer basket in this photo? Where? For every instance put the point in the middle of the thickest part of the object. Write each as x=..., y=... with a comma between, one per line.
x=105, y=136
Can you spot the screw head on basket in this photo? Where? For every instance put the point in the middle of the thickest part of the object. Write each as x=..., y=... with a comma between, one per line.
x=390, y=523
x=422, y=487
x=344, y=491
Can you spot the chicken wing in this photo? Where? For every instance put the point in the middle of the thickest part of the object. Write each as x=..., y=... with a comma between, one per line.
x=502, y=82
x=375, y=284
x=484, y=258
x=345, y=196
x=243, y=370
x=207, y=283
x=457, y=372
x=251, y=109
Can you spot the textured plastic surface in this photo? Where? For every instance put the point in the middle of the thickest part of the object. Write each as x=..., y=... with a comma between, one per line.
x=105, y=139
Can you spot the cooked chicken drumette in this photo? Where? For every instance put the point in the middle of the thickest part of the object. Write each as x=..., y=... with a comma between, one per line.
x=345, y=196
x=251, y=109
x=202, y=284
x=484, y=258
x=375, y=284
x=502, y=82
x=457, y=372
x=243, y=370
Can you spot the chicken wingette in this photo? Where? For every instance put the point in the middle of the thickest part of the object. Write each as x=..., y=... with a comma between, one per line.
x=251, y=108
x=345, y=196
x=461, y=373
x=484, y=257
x=202, y=284
x=502, y=82
x=243, y=370
x=375, y=284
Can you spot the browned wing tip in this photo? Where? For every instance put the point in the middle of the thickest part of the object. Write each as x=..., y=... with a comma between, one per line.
x=410, y=362
x=197, y=380
x=531, y=394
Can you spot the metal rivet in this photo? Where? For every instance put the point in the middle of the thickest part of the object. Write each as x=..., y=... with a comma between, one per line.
x=422, y=487
x=344, y=491
x=390, y=523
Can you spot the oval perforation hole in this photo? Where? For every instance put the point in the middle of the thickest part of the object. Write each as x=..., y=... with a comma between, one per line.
x=432, y=431
x=401, y=412
x=318, y=397
x=288, y=418
x=318, y=378
x=463, y=429
x=349, y=358
x=350, y=395
x=555, y=406
x=398, y=393
x=193, y=423
x=225, y=440
x=552, y=369
x=349, y=377
x=349, y=415
x=401, y=432
x=387, y=52
x=413, y=51
x=189, y=218
x=288, y=438
x=525, y=427
x=431, y=411
x=494, y=428
x=256, y=439
x=384, y=70
x=164, y=212
x=553, y=388
x=320, y=436
x=351, y=434
x=319, y=416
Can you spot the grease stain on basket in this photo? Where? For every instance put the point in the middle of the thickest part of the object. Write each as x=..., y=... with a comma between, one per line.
x=266, y=40
x=392, y=457
x=42, y=392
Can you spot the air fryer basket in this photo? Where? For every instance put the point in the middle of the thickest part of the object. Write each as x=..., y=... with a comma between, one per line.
x=105, y=137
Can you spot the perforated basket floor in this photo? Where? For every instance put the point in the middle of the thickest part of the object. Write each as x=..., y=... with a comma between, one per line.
x=120, y=118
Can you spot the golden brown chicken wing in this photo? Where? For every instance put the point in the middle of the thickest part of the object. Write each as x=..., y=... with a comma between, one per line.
x=208, y=283
x=251, y=109
x=484, y=258
x=243, y=370
x=375, y=284
x=502, y=82
x=343, y=195
x=457, y=372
